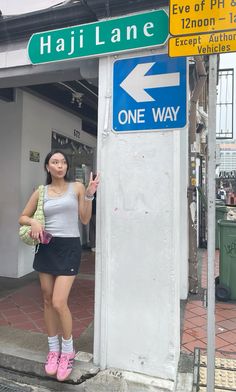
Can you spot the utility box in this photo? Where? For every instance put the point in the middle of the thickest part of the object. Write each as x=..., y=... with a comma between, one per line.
x=227, y=245
x=221, y=211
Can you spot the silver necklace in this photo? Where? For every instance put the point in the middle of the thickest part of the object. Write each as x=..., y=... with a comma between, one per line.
x=58, y=193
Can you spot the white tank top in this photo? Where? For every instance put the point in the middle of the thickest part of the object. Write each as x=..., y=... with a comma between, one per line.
x=62, y=213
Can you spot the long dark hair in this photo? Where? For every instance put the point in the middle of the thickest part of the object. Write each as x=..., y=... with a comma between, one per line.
x=48, y=157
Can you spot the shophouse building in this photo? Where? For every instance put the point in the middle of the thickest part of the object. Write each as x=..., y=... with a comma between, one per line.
x=104, y=111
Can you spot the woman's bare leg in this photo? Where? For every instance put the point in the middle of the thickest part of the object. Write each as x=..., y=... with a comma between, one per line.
x=61, y=293
x=47, y=283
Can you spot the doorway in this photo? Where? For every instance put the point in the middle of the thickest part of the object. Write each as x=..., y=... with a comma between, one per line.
x=50, y=116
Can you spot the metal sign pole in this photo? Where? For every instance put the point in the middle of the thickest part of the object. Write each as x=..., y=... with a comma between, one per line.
x=211, y=225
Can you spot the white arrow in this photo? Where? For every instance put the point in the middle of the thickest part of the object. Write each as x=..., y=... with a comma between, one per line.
x=137, y=81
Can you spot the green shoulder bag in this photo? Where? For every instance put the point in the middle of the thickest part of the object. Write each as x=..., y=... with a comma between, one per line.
x=25, y=230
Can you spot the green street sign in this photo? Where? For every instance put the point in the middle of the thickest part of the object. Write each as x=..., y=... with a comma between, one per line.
x=96, y=39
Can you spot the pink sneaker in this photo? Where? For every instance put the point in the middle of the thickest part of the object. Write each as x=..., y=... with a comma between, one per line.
x=52, y=362
x=65, y=366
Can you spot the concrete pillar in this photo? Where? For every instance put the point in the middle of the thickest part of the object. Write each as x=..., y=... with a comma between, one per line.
x=137, y=325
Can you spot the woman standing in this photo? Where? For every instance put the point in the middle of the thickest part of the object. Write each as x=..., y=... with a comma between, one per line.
x=58, y=261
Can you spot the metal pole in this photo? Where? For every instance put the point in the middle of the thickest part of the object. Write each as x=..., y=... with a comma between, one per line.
x=192, y=191
x=211, y=225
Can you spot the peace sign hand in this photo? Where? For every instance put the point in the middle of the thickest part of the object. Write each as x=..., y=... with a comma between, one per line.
x=92, y=186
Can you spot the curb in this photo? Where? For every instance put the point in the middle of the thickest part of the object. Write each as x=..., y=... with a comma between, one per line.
x=25, y=352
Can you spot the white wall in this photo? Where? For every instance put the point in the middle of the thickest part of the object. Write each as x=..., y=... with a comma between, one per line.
x=183, y=224
x=137, y=323
x=26, y=126
x=10, y=155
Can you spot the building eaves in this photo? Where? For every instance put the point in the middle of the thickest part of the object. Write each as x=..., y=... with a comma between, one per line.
x=21, y=27
x=112, y=8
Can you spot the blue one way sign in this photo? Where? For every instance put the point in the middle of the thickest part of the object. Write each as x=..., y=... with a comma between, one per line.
x=149, y=93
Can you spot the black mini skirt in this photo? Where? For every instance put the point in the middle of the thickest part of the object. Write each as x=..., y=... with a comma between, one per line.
x=60, y=257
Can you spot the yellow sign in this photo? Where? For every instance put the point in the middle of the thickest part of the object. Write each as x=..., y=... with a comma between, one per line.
x=201, y=16
x=202, y=44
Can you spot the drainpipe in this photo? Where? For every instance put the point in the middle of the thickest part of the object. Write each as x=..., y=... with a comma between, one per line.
x=192, y=190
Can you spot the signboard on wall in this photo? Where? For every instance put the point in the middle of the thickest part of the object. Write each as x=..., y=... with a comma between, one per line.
x=34, y=156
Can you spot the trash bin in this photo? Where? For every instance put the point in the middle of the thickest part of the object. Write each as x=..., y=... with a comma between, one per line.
x=227, y=268
x=220, y=202
x=221, y=211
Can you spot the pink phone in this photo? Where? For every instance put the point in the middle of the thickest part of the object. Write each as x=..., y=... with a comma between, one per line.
x=46, y=238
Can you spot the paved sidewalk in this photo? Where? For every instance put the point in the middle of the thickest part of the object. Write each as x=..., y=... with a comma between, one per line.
x=195, y=320
x=22, y=307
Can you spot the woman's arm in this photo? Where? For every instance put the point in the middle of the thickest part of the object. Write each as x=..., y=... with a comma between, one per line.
x=28, y=212
x=85, y=198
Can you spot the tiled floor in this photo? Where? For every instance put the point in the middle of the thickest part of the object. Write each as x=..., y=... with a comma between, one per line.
x=195, y=320
x=22, y=308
